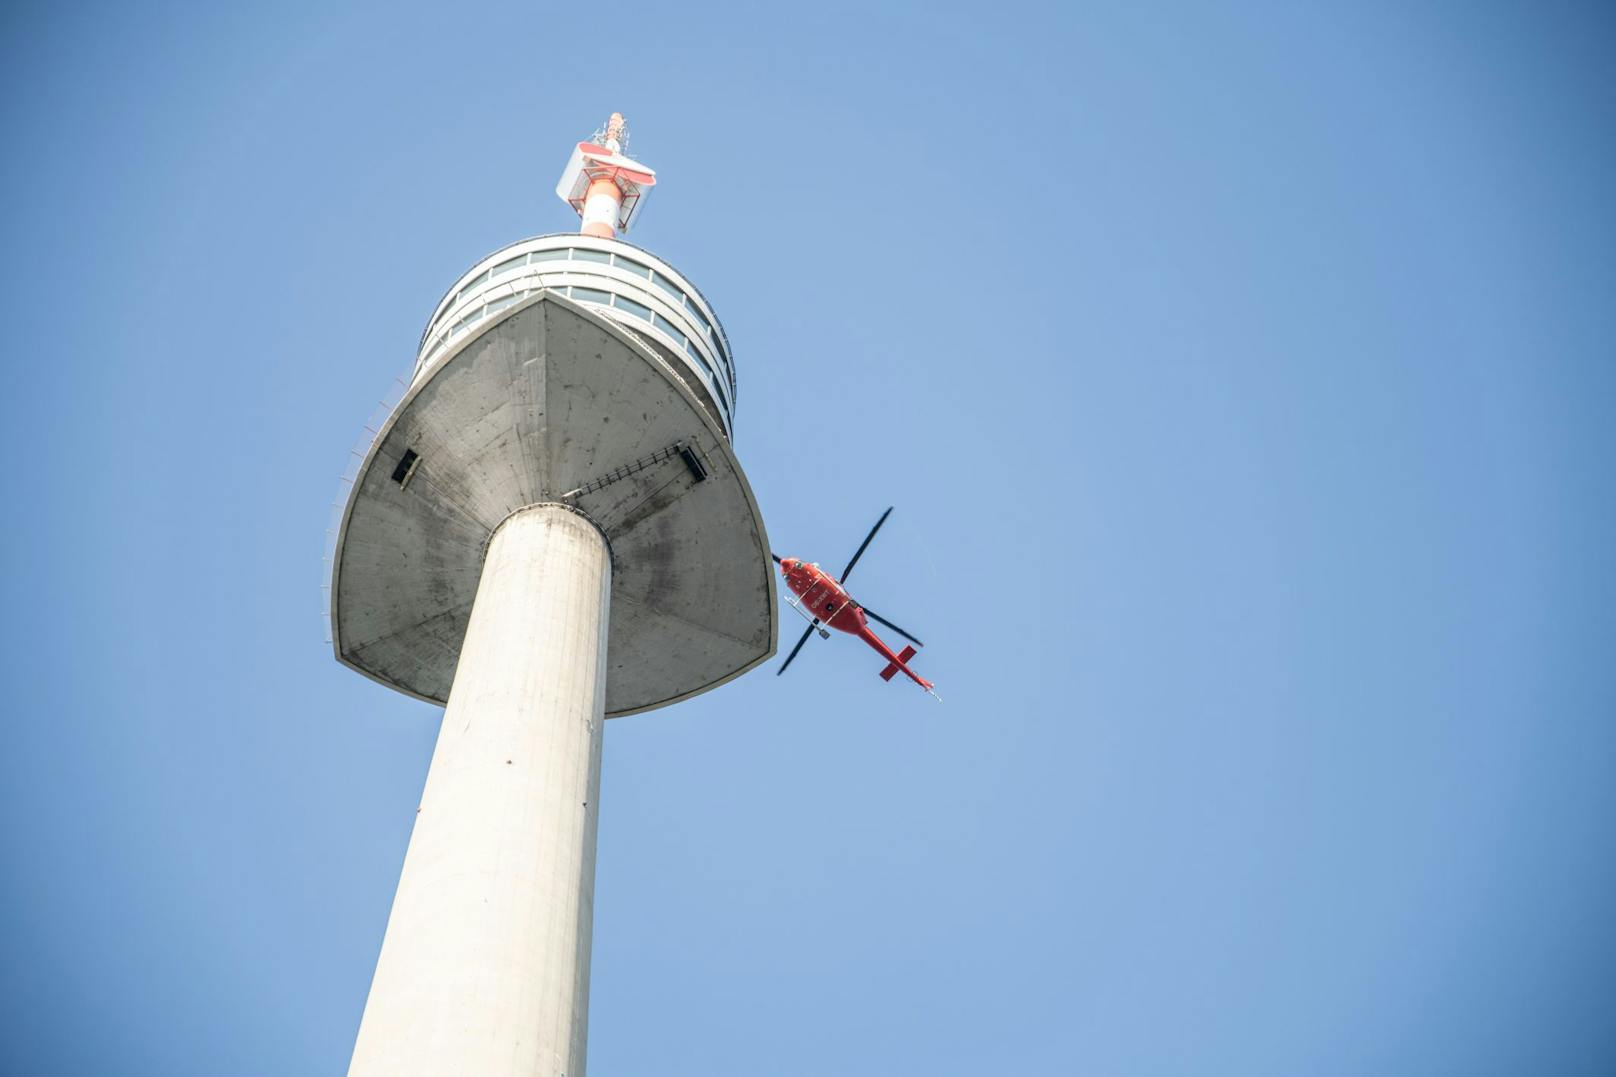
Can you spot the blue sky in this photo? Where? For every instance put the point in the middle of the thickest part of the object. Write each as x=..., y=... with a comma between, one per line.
x=1243, y=378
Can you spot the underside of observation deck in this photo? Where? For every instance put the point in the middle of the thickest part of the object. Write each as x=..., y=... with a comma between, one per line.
x=554, y=403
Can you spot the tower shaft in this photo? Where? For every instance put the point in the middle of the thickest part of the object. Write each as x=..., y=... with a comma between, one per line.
x=485, y=964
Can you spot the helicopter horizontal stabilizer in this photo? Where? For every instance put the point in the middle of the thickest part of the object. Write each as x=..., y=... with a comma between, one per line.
x=892, y=667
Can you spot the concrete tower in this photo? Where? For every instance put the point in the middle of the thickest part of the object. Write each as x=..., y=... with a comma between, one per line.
x=550, y=529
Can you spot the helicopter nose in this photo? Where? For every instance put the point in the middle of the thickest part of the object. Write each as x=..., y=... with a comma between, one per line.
x=787, y=566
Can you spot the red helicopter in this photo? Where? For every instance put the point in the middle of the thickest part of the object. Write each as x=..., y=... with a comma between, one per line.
x=822, y=598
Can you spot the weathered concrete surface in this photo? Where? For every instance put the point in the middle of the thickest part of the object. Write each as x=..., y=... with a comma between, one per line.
x=485, y=966
x=534, y=405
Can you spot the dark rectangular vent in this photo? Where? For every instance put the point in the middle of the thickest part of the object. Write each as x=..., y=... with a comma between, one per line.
x=698, y=470
x=406, y=466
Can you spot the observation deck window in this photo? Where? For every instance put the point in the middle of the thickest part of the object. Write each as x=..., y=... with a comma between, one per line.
x=695, y=353
x=584, y=254
x=700, y=317
x=639, y=310
x=718, y=387
x=631, y=266
x=509, y=265
x=668, y=286
x=591, y=295
x=670, y=329
x=473, y=284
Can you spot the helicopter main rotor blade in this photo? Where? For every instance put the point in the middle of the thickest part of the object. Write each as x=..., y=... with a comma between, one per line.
x=863, y=545
x=775, y=556
x=805, y=634
x=872, y=615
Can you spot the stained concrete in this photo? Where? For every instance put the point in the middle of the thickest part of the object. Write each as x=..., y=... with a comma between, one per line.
x=538, y=403
x=485, y=965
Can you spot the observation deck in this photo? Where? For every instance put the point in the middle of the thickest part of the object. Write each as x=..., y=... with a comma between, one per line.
x=572, y=370
x=640, y=291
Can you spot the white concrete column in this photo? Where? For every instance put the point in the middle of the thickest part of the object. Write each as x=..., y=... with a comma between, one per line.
x=484, y=969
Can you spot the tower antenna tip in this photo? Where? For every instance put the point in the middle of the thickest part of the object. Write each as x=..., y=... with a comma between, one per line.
x=603, y=183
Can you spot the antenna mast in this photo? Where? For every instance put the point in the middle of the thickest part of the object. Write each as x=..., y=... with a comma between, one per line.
x=604, y=185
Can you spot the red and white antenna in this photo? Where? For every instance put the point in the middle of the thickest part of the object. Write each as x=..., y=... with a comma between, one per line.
x=604, y=186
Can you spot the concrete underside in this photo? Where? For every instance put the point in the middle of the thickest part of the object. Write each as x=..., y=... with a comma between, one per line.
x=537, y=404
x=485, y=966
